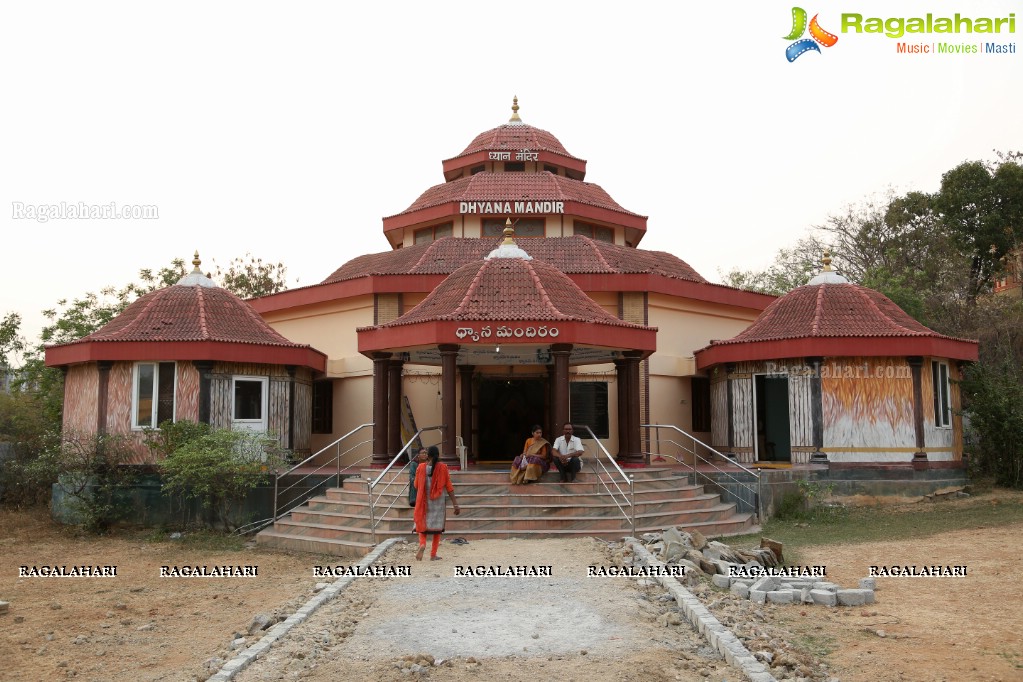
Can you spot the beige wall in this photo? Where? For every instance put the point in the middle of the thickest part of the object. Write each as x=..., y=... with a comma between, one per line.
x=330, y=328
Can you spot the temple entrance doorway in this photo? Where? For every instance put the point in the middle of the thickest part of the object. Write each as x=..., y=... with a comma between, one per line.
x=506, y=409
x=771, y=396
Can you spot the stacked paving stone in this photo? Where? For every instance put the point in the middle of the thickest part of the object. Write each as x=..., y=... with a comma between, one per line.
x=703, y=558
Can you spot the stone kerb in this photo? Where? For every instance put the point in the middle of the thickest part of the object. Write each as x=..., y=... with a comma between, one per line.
x=755, y=574
x=251, y=653
x=716, y=634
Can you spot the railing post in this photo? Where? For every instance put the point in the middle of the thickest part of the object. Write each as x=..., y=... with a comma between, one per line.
x=372, y=520
x=277, y=478
x=632, y=503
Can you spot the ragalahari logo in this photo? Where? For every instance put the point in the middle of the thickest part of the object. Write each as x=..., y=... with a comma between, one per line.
x=817, y=35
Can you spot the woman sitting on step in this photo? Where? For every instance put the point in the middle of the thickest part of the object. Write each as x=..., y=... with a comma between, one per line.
x=534, y=461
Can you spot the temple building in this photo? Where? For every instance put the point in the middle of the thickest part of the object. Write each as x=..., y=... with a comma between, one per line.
x=190, y=351
x=513, y=293
x=837, y=369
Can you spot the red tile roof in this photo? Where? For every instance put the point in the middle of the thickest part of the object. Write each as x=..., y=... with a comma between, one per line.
x=515, y=137
x=543, y=186
x=571, y=255
x=187, y=321
x=865, y=321
x=826, y=310
x=189, y=313
x=509, y=289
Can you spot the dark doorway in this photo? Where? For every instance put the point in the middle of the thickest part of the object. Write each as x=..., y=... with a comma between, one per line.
x=507, y=410
x=774, y=443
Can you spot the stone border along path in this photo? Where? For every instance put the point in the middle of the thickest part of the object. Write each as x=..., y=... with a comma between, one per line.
x=716, y=634
x=250, y=654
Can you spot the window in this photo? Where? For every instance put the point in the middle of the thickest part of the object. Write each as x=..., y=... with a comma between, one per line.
x=434, y=232
x=701, y=403
x=477, y=169
x=588, y=405
x=550, y=169
x=152, y=400
x=248, y=406
x=598, y=232
x=942, y=400
x=514, y=166
x=524, y=227
x=323, y=406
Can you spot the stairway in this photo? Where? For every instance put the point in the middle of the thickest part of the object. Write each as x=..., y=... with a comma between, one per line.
x=338, y=522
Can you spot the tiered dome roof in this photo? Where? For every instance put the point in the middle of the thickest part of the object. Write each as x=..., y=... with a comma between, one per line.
x=831, y=317
x=191, y=320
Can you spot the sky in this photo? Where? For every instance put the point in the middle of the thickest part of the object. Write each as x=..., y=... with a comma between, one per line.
x=289, y=130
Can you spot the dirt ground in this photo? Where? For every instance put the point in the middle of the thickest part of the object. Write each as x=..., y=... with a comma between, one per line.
x=139, y=626
x=934, y=629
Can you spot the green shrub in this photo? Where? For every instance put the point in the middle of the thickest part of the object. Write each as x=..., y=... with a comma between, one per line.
x=91, y=470
x=219, y=468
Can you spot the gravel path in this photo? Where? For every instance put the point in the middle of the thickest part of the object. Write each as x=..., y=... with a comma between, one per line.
x=446, y=627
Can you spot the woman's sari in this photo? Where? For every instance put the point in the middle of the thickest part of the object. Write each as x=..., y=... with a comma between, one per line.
x=533, y=463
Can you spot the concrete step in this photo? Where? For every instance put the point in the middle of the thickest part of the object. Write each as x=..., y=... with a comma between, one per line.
x=536, y=493
x=337, y=522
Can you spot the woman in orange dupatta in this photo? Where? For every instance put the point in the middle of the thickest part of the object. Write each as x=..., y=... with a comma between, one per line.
x=432, y=481
x=534, y=461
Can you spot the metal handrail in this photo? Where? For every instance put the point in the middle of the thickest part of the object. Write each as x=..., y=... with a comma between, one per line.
x=338, y=456
x=630, y=516
x=371, y=484
x=754, y=491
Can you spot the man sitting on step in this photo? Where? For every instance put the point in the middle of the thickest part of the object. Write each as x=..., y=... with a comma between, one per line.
x=568, y=450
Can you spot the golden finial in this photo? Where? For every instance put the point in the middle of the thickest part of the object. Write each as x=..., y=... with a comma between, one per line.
x=827, y=261
x=515, y=111
x=196, y=262
x=509, y=233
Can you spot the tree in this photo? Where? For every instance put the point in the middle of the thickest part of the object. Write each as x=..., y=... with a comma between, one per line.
x=981, y=204
x=250, y=277
x=11, y=341
x=791, y=268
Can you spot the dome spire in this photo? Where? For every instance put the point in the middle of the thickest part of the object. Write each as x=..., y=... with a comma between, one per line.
x=195, y=278
x=828, y=275
x=515, y=120
x=508, y=248
x=827, y=261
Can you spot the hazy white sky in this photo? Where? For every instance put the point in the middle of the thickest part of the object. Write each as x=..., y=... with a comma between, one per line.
x=289, y=130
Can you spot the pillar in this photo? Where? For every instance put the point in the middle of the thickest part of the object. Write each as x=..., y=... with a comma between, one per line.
x=101, y=398
x=448, y=364
x=633, y=455
x=621, y=383
x=560, y=392
x=381, y=363
x=916, y=367
x=465, y=374
x=394, y=443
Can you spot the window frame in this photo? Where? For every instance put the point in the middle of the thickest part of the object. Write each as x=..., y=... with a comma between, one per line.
x=248, y=424
x=154, y=410
x=432, y=230
x=495, y=221
x=599, y=391
x=942, y=394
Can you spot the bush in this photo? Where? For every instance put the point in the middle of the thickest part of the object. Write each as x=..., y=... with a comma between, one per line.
x=25, y=432
x=807, y=503
x=995, y=397
x=219, y=468
x=92, y=470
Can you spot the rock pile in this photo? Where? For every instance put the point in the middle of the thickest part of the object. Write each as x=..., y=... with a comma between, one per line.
x=757, y=574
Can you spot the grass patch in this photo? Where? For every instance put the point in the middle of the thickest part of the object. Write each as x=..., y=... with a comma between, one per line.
x=870, y=524
x=816, y=644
